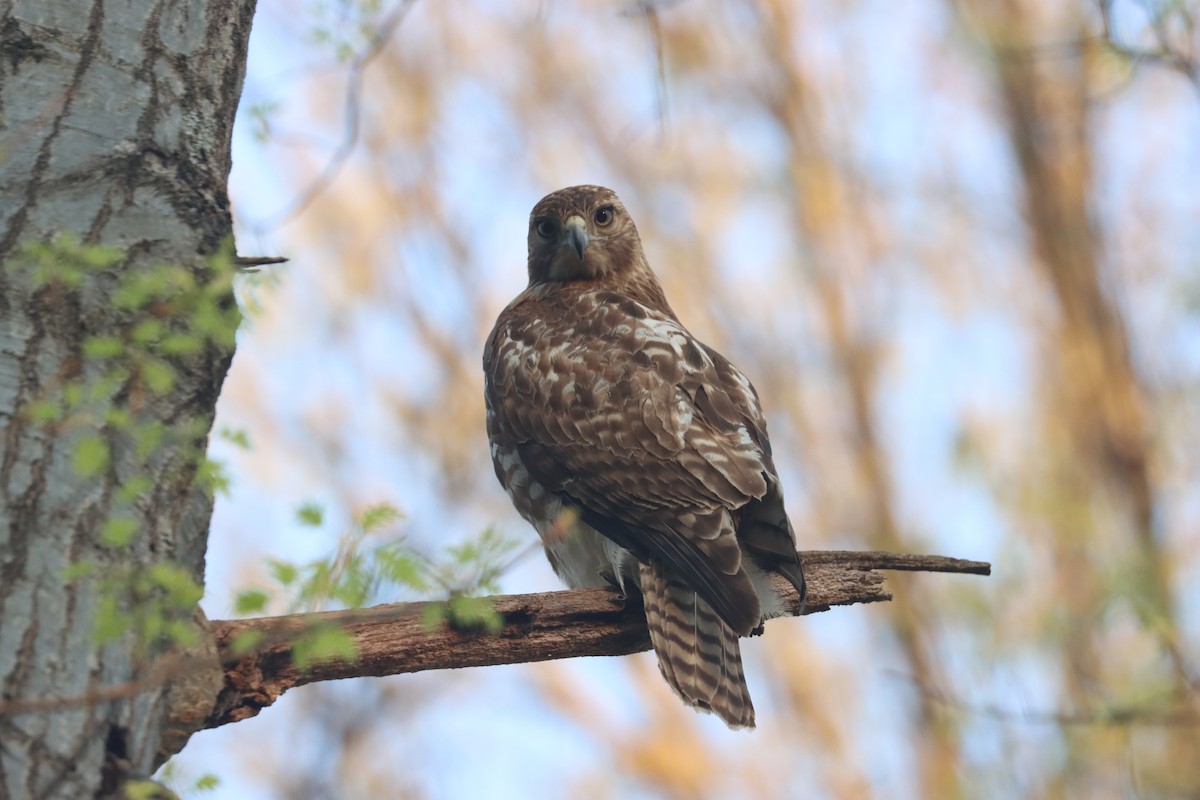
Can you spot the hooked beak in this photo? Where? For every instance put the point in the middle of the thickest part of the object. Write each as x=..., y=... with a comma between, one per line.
x=576, y=235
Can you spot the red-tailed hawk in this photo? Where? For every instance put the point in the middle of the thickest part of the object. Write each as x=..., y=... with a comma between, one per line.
x=638, y=453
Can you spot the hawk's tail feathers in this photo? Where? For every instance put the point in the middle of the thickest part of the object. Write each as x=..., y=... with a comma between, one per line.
x=698, y=653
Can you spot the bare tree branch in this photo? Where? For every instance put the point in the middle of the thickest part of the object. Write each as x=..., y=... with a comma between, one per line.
x=351, y=121
x=397, y=638
x=394, y=639
x=1117, y=716
x=1165, y=55
x=252, y=263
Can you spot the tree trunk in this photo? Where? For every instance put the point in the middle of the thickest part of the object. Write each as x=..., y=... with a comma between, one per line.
x=115, y=126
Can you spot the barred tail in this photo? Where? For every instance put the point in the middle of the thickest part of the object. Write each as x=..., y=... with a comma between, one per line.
x=698, y=652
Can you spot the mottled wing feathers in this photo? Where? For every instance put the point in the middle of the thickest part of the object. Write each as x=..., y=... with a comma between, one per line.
x=619, y=409
x=729, y=593
x=763, y=527
x=619, y=380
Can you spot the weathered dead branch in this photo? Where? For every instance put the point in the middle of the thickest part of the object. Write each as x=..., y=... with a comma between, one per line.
x=397, y=638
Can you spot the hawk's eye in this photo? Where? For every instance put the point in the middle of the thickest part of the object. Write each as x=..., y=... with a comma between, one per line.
x=604, y=216
x=546, y=228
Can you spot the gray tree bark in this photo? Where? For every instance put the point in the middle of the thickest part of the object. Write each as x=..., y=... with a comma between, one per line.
x=115, y=125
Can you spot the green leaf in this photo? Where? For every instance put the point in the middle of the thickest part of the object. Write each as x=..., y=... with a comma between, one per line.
x=180, y=632
x=42, y=411
x=91, y=456
x=102, y=389
x=463, y=554
x=103, y=347
x=310, y=514
x=251, y=601
x=131, y=295
x=148, y=330
x=73, y=394
x=208, y=321
x=475, y=613
x=434, y=616
x=263, y=109
x=119, y=418
x=212, y=477
x=324, y=643
x=64, y=261
x=97, y=257
x=377, y=516
x=182, y=591
x=261, y=113
x=143, y=790
x=78, y=569
x=158, y=375
x=353, y=589
x=133, y=488
x=196, y=428
x=401, y=568
x=237, y=437
x=149, y=437
x=118, y=531
x=206, y=783
x=245, y=641
x=181, y=344
x=316, y=583
x=111, y=624
x=152, y=622
x=283, y=572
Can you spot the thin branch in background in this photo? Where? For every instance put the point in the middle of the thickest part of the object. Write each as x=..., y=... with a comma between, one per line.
x=649, y=11
x=1166, y=56
x=1118, y=716
x=252, y=263
x=472, y=584
x=352, y=122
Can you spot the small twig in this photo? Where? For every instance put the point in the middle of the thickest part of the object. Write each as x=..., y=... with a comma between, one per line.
x=1164, y=56
x=1126, y=716
x=650, y=13
x=254, y=262
x=352, y=122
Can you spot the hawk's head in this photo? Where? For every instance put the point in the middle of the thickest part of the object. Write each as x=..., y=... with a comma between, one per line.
x=582, y=233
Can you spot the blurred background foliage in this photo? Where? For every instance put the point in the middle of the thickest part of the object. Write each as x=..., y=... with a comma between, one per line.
x=954, y=245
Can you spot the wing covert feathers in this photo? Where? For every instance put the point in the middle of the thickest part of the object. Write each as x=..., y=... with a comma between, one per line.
x=706, y=558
